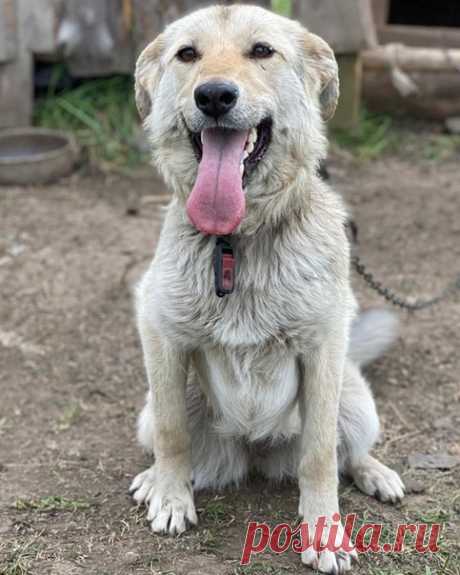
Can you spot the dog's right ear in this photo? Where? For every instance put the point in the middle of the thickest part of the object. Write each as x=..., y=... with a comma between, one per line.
x=148, y=74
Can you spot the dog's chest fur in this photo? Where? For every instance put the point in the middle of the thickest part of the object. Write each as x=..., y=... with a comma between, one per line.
x=290, y=285
x=252, y=390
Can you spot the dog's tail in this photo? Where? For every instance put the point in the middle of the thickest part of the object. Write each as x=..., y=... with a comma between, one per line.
x=372, y=333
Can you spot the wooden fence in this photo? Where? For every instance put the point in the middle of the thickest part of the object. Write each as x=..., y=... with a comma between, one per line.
x=101, y=37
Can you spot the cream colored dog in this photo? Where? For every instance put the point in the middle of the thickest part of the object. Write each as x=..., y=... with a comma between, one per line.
x=234, y=100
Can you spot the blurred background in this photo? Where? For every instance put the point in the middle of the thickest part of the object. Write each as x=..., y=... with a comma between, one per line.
x=68, y=64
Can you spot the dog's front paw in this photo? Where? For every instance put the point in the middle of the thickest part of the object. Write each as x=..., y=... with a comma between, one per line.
x=329, y=548
x=169, y=500
x=328, y=561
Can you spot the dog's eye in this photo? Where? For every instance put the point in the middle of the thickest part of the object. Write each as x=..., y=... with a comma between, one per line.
x=187, y=54
x=261, y=50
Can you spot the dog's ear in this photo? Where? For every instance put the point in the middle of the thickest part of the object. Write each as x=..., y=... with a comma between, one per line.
x=319, y=56
x=148, y=74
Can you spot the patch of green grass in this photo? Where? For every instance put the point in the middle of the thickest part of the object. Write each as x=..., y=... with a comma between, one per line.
x=370, y=139
x=283, y=7
x=209, y=541
x=436, y=515
x=100, y=113
x=51, y=504
x=391, y=571
x=441, y=147
x=19, y=558
x=70, y=415
x=216, y=511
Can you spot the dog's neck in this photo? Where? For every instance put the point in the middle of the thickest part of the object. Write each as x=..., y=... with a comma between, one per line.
x=288, y=201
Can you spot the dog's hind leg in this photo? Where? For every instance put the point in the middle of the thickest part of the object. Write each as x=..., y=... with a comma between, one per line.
x=278, y=462
x=217, y=460
x=358, y=432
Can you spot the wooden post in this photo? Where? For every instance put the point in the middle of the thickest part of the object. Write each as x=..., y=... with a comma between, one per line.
x=16, y=75
x=351, y=73
x=8, y=30
x=381, y=10
x=348, y=26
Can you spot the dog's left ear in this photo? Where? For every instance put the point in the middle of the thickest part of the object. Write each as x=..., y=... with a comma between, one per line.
x=319, y=56
x=148, y=74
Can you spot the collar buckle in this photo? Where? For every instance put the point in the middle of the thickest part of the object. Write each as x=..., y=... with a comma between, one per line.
x=224, y=267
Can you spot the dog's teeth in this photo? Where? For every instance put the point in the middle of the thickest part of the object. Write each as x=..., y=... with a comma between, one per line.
x=246, y=154
x=242, y=169
x=252, y=137
x=250, y=148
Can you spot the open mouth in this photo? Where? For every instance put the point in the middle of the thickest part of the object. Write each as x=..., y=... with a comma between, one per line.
x=257, y=144
x=226, y=159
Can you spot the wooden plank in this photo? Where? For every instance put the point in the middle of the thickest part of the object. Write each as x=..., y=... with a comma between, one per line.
x=16, y=80
x=96, y=36
x=438, y=98
x=151, y=17
x=412, y=59
x=420, y=36
x=8, y=30
x=347, y=113
x=16, y=93
x=380, y=12
x=40, y=22
x=348, y=25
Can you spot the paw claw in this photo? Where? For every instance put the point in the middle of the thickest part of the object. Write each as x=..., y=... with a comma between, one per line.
x=378, y=480
x=170, y=501
x=332, y=563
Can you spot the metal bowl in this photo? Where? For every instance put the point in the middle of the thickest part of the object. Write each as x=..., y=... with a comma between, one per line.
x=35, y=156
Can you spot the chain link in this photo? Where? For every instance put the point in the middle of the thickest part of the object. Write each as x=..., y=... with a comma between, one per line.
x=395, y=299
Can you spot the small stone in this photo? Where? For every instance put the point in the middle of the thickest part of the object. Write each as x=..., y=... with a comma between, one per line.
x=5, y=526
x=131, y=558
x=442, y=461
x=442, y=423
x=414, y=486
x=453, y=125
x=64, y=568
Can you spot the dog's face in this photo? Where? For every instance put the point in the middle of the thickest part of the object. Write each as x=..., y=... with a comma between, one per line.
x=234, y=100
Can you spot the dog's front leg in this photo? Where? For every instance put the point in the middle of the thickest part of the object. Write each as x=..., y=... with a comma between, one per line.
x=166, y=487
x=318, y=473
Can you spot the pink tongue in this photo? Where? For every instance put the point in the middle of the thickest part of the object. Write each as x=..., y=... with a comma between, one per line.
x=216, y=205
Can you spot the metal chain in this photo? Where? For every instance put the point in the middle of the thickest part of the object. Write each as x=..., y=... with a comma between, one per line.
x=396, y=300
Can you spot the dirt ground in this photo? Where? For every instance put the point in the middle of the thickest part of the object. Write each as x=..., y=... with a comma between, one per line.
x=72, y=379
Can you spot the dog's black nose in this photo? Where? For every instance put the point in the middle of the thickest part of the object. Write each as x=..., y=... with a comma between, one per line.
x=216, y=98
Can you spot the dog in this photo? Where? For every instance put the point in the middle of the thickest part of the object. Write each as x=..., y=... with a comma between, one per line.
x=252, y=342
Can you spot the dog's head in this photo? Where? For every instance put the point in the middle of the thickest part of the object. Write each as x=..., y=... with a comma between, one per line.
x=234, y=100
